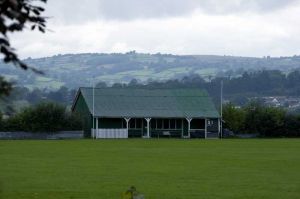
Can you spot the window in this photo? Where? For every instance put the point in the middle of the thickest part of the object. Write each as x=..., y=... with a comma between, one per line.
x=178, y=123
x=159, y=124
x=124, y=124
x=132, y=123
x=153, y=123
x=135, y=123
x=172, y=124
x=166, y=124
x=138, y=123
x=198, y=124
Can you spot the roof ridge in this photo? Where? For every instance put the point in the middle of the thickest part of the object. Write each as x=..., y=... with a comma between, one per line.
x=150, y=95
x=123, y=88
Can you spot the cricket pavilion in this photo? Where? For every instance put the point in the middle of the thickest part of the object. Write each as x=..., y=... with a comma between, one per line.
x=147, y=113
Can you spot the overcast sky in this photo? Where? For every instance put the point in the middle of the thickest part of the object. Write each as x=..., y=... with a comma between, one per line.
x=219, y=27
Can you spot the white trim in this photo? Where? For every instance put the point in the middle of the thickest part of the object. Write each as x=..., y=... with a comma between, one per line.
x=189, y=126
x=127, y=123
x=148, y=127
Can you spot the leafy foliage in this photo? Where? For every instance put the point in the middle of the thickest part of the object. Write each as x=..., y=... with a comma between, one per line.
x=234, y=117
x=292, y=123
x=14, y=16
x=44, y=117
x=267, y=121
x=1, y=120
x=262, y=120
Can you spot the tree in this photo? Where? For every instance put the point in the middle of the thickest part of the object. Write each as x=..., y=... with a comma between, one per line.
x=15, y=15
x=101, y=85
x=272, y=122
x=1, y=121
x=60, y=96
x=266, y=121
x=43, y=117
x=35, y=96
x=292, y=125
x=47, y=117
x=253, y=117
x=133, y=83
x=117, y=85
x=234, y=118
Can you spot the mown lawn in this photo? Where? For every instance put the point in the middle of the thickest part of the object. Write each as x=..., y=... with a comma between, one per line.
x=160, y=169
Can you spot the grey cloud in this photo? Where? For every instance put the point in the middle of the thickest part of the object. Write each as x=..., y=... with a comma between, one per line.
x=71, y=11
x=233, y=6
x=131, y=9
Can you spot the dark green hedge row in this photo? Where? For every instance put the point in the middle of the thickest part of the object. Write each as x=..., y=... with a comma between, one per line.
x=262, y=120
x=44, y=117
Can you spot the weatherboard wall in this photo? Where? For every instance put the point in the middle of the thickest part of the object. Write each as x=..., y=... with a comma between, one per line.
x=213, y=125
x=82, y=108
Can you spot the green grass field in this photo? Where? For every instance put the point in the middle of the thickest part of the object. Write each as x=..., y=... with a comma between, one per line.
x=160, y=169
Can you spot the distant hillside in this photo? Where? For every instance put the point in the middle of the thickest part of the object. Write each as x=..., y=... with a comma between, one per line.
x=74, y=70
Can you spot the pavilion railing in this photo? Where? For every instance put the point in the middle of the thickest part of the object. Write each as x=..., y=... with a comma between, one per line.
x=110, y=133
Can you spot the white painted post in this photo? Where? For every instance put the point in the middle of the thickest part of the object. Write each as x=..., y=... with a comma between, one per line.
x=189, y=126
x=205, y=128
x=127, y=123
x=148, y=127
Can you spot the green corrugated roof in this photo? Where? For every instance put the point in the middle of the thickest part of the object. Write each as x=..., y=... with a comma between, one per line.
x=160, y=103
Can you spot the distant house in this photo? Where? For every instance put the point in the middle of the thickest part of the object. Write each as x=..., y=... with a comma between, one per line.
x=129, y=112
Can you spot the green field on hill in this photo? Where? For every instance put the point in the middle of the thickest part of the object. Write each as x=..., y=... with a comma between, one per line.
x=160, y=169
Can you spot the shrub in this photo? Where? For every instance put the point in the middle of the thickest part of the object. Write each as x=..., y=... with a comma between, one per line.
x=73, y=121
x=292, y=125
x=44, y=117
x=262, y=120
x=1, y=121
x=234, y=118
